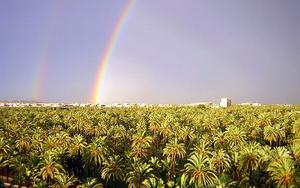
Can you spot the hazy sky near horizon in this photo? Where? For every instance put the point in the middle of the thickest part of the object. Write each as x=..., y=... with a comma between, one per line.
x=169, y=51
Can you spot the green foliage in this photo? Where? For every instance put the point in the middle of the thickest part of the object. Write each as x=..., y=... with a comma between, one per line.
x=150, y=146
x=199, y=172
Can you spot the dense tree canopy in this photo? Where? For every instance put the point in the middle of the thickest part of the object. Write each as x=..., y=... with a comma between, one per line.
x=150, y=146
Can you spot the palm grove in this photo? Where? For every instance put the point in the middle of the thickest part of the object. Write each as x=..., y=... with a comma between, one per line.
x=150, y=147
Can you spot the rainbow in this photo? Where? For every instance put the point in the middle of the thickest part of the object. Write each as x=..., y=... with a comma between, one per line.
x=43, y=61
x=97, y=90
x=38, y=84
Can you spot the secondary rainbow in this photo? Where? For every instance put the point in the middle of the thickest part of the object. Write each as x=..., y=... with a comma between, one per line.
x=97, y=90
x=39, y=80
x=44, y=54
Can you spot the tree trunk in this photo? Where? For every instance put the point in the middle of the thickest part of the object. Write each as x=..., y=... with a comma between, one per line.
x=250, y=177
x=7, y=172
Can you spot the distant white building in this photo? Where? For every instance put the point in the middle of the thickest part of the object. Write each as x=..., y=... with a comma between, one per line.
x=225, y=102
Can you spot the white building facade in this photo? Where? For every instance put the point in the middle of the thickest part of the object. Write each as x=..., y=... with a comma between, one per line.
x=225, y=102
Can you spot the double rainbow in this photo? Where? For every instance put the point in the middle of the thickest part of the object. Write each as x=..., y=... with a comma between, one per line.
x=98, y=88
x=39, y=80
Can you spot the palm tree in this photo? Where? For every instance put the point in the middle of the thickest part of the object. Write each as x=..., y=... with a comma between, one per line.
x=4, y=146
x=117, y=134
x=280, y=134
x=113, y=169
x=264, y=119
x=210, y=123
x=186, y=134
x=202, y=148
x=5, y=152
x=91, y=183
x=255, y=132
x=250, y=159
x=77, y=123
x=234, y=136
x=220, y=161
x=219, y=140
x=97, y=151
x=156, y=164
x=4, y=162
x=284, y=174
x=89, y=130
x=49, y=169
x=296, y=129
x=295, y=152
x=139, y=174
x=224, y=181
x=37, y=139
x=23, y=143
x=101, y=130
x=199, y=172
x=21, y=165
x=165, y=131
x=153, y=124
x=154, y=182
x=279, y=154
x=64, y=181
x=140, y=144
x=63, y=139
x=235, y=172
x=77, y=146
x=274, y=134
x=266, y=156
x=141, y=140
x=174, y=151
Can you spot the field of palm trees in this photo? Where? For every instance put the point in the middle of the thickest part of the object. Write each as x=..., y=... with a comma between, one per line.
x=150, y=147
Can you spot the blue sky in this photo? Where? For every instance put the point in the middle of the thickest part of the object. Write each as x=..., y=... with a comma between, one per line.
x=168, y=51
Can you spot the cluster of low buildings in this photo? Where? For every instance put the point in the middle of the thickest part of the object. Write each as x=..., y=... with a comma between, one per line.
x=250, y=104
x=225, y=102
